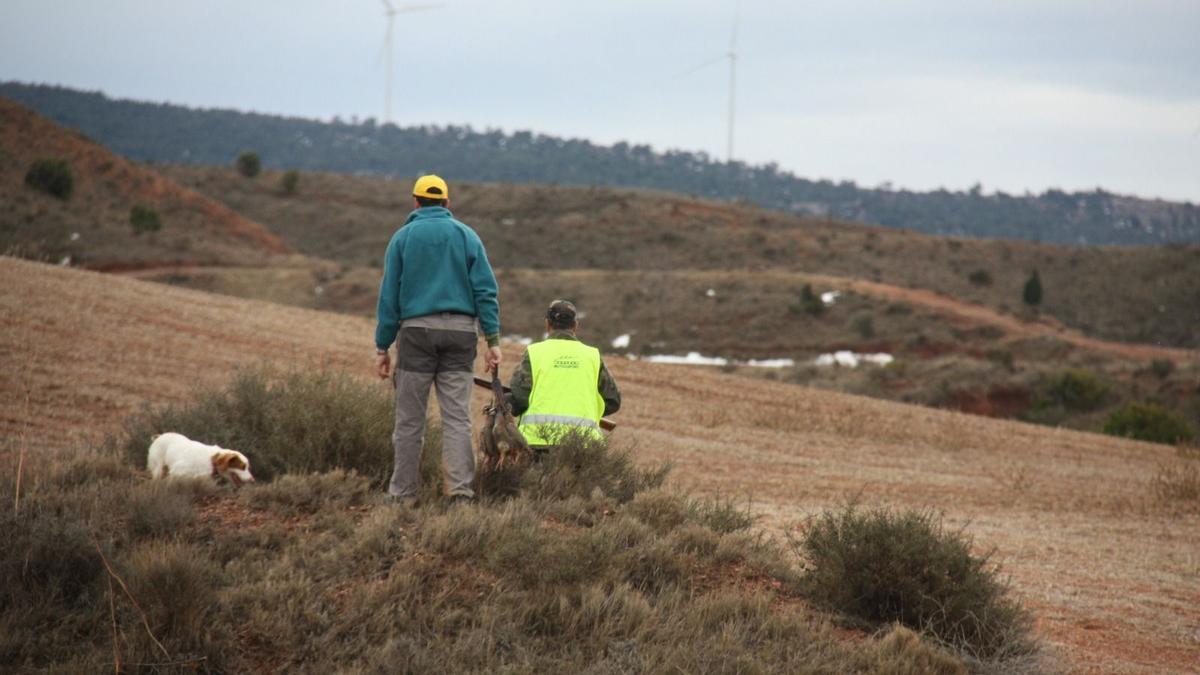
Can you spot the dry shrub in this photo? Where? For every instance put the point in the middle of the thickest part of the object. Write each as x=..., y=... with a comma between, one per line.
x=291, y=422
x=579, y=465
x=880, y=566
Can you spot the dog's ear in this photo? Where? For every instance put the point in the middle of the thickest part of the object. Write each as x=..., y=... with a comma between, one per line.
x=236, y=461
x=220, y=462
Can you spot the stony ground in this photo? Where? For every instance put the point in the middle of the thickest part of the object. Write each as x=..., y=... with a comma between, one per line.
x=1111, y=573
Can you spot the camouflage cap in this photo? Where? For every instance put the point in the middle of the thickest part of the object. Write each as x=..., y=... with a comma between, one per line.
x=562, y=313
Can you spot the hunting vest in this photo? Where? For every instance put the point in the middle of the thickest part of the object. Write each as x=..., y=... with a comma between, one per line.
x=565, y=392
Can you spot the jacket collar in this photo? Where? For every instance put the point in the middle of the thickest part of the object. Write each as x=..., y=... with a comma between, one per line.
x=562, y=335
x=429, y=212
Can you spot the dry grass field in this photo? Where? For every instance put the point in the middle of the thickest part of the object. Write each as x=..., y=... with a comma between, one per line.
x=1110, y=571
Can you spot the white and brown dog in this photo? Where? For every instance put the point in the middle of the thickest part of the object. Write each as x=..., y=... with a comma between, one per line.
x=174, y=454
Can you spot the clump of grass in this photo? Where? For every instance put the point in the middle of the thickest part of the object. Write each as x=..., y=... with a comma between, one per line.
x=296, y=494
x=881, y=566
x=290, y=422
x=162, y=506
x=176, y=585
x=1178, y=484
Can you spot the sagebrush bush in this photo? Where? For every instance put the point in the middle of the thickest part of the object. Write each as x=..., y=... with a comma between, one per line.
x=52, y=176
x=882, y=566
x=285, y=422
x=1147, y=422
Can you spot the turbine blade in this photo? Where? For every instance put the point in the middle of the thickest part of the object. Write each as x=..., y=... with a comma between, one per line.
x=419, y=8
x=387, y=7
x=702, y=66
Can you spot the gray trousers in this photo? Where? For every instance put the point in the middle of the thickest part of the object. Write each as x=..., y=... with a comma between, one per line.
x=442, y=358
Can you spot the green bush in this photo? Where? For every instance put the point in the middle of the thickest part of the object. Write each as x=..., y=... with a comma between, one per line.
x=249, y=164
x=864, y=325
x=1073, y=389
x=809, y=303
x=289, y=182
x=881, y=566
x=52, y=176
x=144, y=218
x=1032, y=295
x=1147, y=422
x=980, y=277
x=1162, y=368
x=292, y=422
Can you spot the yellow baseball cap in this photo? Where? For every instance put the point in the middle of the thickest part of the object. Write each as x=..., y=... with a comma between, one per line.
x=432, y=187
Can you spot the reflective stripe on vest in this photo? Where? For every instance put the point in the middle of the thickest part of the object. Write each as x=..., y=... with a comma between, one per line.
x=565, y=395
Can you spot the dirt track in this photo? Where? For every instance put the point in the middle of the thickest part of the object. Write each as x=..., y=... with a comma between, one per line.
x=1110, y=574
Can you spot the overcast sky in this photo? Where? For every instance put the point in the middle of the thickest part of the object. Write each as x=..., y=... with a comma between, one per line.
x=1014, y=94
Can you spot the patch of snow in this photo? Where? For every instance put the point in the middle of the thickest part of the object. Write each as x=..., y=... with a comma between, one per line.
x=712, y=292
x=621, y=342
x=508, y=221
x=519, y=339
x=696, y=358
x=692, y=359
x=319, y=290
x=74, y=236
x=849, y=359
x=771, y=363
x=65, y=261
x=830, y=297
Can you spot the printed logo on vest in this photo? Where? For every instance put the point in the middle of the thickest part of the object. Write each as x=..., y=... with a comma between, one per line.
x=566, y=362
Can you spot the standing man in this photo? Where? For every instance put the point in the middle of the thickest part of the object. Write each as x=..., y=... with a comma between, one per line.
x=437, y=286
x=562, y=383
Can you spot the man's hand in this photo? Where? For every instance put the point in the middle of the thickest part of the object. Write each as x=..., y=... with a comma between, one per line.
x=492, y=358
x=383, y=365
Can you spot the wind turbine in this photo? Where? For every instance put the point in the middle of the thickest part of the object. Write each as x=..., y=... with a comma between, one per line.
x=732, y=56
x=391, y=13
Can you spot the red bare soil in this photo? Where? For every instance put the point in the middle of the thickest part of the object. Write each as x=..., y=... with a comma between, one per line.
x=106, y=186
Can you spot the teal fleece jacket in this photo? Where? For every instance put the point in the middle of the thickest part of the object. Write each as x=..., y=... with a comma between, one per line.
x=435, y=264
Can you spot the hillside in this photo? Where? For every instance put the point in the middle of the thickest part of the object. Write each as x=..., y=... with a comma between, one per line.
x=1101, y=291
x=92, y=227
x=164, y=133
x=1106, y=567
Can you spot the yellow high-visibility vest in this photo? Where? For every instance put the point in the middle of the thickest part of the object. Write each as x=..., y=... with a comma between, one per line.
x=565, y=396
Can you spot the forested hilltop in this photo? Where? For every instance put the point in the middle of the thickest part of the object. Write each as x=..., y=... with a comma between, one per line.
x=167, y=133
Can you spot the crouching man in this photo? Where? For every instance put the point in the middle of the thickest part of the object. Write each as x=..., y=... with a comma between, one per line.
x=561, y=384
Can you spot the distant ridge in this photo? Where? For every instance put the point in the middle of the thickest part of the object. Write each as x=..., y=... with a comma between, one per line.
x=166, y=133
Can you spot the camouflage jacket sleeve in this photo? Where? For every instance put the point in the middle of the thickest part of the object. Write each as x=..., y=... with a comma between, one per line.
x=609, y=391
x=521, y=384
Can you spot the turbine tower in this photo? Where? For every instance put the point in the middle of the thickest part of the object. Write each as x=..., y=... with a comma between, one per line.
x=390, y=12
x=732, y=79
